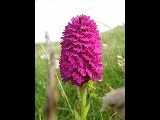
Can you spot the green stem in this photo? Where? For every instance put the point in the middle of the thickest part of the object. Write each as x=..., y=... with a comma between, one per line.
x=83, y=95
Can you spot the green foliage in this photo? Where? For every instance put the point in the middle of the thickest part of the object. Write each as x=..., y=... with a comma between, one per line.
x=113, y=77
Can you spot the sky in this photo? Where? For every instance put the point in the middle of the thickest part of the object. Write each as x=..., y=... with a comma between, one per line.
x=53, y=15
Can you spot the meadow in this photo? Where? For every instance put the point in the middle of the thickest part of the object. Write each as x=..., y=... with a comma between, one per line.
x=113, y=44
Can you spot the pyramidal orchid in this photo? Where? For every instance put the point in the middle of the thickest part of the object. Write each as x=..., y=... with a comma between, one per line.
x=81, y=55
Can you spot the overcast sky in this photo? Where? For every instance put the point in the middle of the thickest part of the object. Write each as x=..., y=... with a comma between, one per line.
x=53, y=15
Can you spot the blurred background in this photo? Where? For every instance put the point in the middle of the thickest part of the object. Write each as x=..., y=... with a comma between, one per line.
x=52, y=16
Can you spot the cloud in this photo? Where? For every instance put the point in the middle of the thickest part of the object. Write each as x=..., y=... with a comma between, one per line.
x=53, y=15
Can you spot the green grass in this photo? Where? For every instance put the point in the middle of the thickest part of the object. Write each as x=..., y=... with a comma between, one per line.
x=113, y=78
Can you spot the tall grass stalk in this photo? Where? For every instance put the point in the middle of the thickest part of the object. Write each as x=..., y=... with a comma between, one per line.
x=63, y=93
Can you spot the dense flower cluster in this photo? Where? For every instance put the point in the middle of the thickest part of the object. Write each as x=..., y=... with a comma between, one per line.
x=81, y=54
